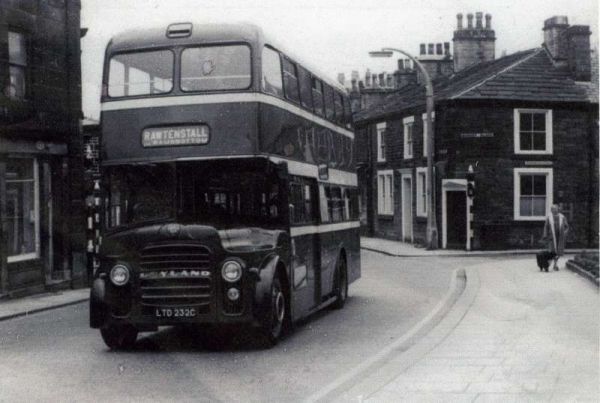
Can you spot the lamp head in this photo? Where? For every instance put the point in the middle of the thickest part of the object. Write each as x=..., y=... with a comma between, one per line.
x=381, y=53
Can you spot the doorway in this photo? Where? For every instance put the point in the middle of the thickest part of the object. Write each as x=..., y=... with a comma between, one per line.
x=455, y=214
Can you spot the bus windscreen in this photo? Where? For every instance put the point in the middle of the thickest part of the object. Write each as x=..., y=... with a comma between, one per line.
x=215, y=68
x=140, y=73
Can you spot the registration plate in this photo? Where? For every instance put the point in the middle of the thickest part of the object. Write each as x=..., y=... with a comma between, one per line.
x=175, y=312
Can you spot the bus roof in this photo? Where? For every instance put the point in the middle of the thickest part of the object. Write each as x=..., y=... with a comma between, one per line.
x=206, y=33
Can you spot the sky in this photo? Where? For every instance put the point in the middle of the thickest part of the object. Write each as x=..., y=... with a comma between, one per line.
x=333, y=35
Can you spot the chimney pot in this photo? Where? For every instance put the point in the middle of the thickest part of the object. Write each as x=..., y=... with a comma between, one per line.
x=555, y=37
x=459, y=21
x=488, y=21
x=470, y=20
x=479, y=18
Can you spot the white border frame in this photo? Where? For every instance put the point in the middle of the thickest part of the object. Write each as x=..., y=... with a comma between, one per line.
x=458, y=187
x=412, y=226
x=517, y=134
x=421, y=210
x=36, y=218
x=380, y=129
x=517, y=191
x=406, y=121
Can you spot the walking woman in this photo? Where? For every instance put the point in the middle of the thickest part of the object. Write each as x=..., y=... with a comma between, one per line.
x=555, y=232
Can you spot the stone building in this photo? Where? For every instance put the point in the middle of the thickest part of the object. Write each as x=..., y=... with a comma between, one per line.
x=41, y=211
x=525, y=125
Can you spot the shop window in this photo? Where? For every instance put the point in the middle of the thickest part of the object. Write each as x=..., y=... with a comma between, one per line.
x=532, y=193
x=533, y=131
x=22, y=209
x=17, y=60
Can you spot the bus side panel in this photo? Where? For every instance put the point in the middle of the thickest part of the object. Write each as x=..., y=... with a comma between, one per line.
x=289, y=135
x=304, y=274
x=331, y=245
x=232, y=131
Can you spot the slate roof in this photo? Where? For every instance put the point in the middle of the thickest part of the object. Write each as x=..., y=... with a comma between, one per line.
x=528, y=75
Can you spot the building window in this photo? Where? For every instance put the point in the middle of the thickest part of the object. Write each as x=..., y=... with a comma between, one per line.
x=408, y=136
x=22, y=209
x=381, y=141
x=272, y=82
x=532, y=193
x=533, y=131
x=385, y=192
x=17, y=60
x=422, y=192
x=425, y=134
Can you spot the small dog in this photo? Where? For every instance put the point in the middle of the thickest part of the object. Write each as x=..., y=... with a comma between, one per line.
x=543, y=259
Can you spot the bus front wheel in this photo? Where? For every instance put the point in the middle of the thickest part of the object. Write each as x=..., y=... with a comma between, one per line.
x=340, y=290
x=119, y=337
x=272, y=328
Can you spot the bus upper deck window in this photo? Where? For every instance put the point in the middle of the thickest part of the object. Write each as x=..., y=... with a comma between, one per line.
x=140, y=73
x=317, y=95
x=272, y=82
x=214, y=68
x=329, y=108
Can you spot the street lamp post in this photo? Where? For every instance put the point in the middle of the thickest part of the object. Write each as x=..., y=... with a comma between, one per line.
x=432, y=231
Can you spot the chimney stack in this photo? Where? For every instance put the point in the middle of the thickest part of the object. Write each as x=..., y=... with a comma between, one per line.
x=473, y=45
x=555, y=38
x=459, y=21
x=479, y=18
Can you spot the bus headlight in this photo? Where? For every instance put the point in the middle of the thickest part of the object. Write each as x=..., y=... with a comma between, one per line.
x=231, y=271
x=119, y=275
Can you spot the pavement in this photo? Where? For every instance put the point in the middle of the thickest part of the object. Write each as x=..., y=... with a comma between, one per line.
x=405, y=249
x=24, y=306
x=514, y=335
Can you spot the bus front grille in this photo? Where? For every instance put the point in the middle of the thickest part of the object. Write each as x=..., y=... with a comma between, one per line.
x=176, y=275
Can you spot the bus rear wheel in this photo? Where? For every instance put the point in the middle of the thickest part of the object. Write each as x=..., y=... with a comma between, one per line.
x=340, y=290
x=119, y=337
x=272, y=328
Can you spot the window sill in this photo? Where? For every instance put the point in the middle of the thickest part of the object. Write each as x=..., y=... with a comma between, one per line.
x=21, y=258
x=519, y=152
x=529, y=218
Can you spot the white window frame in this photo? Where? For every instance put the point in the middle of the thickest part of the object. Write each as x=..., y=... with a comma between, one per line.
x=424, y=117
x=517, y=172
x=421, y=191
x=36, y=218
x=408, y=146
x=381, y=141
x=517, y=131
x=385, y=192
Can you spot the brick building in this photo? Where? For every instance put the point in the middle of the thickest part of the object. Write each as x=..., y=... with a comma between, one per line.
x=41, y=211
x=525, y=124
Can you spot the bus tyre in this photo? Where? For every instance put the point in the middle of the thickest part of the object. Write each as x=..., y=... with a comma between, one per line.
x=119, y=337
x=340, y=288
x=272, y=328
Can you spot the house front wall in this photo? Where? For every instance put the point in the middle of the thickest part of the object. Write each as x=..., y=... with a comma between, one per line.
x=482, y=135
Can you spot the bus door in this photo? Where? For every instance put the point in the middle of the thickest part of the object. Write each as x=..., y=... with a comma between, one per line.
x=305, y=244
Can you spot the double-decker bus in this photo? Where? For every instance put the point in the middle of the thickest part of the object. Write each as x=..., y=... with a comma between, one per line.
x=230, y=186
